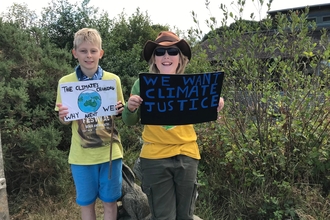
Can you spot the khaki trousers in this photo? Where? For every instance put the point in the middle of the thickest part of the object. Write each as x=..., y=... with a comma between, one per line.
x=171, y=187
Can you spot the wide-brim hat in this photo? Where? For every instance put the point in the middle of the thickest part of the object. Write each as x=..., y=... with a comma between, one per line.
x=166, y=39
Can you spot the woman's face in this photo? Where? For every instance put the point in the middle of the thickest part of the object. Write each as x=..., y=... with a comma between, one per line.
x=167, y=59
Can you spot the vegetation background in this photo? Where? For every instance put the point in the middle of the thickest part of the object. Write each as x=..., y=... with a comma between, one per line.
x=267, y=157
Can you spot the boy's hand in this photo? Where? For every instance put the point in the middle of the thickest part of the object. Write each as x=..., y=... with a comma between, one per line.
x=62, y=112
x=119, y=108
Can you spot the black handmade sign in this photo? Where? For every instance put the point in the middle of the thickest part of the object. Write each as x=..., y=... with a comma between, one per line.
x=178, y=99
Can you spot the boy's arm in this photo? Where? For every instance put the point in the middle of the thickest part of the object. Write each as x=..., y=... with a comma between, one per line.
x=64, y=122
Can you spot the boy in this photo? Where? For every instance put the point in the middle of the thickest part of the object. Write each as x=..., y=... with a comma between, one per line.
x=90, y=149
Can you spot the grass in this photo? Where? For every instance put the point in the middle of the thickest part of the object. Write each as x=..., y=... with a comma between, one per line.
x=49, y=209
x=313, y=207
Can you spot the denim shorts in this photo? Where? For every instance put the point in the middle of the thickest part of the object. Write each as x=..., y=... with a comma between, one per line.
x=92, y=182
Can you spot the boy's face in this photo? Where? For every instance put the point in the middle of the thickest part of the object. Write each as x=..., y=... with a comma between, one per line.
x=88, y=56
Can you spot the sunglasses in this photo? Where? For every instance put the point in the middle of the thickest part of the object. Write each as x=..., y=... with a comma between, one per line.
x=172, y=51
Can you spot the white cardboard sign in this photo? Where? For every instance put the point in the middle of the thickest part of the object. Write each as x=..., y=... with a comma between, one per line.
x=88, y=99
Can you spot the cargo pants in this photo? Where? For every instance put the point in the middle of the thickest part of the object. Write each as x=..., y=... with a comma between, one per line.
x=171, y=187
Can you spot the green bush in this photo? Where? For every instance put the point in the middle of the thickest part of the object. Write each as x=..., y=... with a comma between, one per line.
x=30, y=134
x=270, y=150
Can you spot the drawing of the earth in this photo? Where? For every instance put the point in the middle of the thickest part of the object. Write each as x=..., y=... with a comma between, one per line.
x=89, y=101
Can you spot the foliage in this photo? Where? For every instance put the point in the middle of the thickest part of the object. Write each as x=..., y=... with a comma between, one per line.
x=61, y=19
x=274, y=141
x=123, y=46
x=30, y=67
x=21, y=15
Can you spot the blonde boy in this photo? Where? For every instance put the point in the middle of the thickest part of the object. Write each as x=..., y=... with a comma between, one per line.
x=89, y=151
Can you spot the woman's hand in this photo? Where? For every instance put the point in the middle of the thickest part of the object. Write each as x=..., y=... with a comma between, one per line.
x=221, y=104
x=134, y=102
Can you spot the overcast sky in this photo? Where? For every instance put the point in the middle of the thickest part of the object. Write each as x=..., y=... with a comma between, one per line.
x=175, y=13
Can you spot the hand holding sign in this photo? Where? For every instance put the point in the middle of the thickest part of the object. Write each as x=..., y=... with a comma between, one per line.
x=134, y=102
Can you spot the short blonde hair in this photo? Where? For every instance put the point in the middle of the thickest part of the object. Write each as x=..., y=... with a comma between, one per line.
x=183, y=61
x=87, y=35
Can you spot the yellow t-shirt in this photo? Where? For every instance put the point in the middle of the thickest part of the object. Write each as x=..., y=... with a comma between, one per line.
x=163, y=141
x=90, y=141
x=167, y=141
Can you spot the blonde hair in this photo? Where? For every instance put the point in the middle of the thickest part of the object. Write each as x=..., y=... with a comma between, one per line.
x=87, y=35
x=183, y=61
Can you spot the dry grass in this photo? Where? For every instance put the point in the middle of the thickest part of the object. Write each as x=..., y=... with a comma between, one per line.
x=50, y=210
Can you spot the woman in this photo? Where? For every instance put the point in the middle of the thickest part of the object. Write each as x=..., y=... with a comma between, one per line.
x=170, y=155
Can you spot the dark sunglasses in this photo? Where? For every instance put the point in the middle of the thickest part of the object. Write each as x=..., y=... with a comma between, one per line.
x=172, y=51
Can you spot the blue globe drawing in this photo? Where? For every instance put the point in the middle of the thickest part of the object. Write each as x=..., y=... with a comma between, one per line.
x=89, y=101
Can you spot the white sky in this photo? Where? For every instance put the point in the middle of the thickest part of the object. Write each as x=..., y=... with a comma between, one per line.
x=175, y=13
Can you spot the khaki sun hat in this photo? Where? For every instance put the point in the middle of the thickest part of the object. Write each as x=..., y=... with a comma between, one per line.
x=166, y=39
